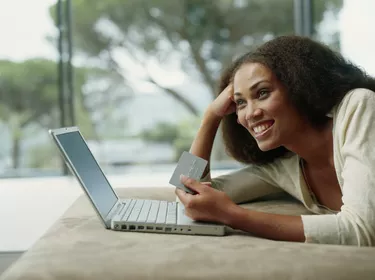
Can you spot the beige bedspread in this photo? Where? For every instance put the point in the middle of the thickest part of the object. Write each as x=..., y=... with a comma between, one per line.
x=78, y=247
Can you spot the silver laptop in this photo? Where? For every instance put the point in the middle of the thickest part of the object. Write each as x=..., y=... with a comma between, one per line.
x=154, y=216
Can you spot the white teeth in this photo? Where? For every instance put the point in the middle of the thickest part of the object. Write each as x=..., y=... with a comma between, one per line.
x=261, y=128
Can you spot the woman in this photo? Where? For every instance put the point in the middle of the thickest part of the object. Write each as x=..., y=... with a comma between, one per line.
x=303, y=119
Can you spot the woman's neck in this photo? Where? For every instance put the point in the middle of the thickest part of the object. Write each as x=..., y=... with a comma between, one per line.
x=313, y=145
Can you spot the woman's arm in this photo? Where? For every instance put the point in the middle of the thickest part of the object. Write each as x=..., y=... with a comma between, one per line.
x=242, y=185
x=271, y=226
x=203, y=142
x=209, y=204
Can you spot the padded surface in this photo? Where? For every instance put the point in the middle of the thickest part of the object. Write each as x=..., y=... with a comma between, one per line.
x=78, y=247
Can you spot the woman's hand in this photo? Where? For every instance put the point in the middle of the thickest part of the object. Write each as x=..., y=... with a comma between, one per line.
x=224, y=103
x=208, y=204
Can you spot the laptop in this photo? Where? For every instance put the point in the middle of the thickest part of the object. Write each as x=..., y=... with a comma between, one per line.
x=141, y=215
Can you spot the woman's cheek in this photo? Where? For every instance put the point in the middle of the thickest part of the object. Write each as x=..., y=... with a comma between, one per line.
x=241, y=119
x=241, y=122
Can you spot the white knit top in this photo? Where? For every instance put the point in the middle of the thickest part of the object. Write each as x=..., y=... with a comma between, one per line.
x=354, y=160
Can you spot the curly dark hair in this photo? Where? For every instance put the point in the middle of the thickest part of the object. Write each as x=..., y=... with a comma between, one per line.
x=315, y=77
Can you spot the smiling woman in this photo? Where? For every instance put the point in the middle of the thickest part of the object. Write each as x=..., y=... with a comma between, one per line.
x=262, y=106
x=301, y=117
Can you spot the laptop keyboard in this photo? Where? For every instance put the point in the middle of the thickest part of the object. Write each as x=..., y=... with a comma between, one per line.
x=149, y=211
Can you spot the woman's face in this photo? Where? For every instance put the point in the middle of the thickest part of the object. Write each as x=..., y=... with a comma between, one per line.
x=263, y=107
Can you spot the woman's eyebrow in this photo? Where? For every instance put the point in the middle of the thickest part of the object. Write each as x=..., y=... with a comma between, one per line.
x=256, y=84
x=252, y=87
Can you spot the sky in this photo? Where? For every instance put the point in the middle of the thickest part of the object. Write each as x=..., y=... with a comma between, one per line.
x=357, y=35
x=24, y=24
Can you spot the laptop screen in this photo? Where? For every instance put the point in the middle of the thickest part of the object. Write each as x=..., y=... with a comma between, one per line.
x=88, y=169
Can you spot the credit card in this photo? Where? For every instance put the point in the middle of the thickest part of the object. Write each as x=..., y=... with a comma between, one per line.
x=190, y=166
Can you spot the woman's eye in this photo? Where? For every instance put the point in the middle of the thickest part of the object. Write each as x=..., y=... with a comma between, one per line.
x=262, y=93
x=239, y=102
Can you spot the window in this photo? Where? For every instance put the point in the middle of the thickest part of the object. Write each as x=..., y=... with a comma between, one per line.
x=144, y=72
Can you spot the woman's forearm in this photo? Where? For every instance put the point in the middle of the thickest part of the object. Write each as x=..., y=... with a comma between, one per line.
x=271, y=226
x=203, y=142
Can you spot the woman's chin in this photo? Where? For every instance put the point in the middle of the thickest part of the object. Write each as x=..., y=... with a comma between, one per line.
x=264, y=147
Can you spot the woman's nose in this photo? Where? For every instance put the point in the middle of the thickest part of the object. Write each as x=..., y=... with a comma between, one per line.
x=252, y=112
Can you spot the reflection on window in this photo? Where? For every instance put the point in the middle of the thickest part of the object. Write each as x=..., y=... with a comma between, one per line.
x=144, y=72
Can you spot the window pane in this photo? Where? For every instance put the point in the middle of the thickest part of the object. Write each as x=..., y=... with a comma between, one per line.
x=159, y=63
x=144, y=72
x=28, y=92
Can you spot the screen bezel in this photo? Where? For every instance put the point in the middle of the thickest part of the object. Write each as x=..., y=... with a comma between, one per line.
x=54, y=133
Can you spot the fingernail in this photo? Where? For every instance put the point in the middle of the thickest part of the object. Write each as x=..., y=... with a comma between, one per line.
x=183, y=177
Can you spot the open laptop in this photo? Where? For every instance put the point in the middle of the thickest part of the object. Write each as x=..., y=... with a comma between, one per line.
x=128, y=214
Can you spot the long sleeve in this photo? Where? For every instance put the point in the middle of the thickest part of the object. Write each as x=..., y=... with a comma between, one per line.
x=245, y=184
x=253, y=181
x=354, y=153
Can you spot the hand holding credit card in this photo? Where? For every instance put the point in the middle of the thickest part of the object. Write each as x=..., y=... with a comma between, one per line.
x=190, y=166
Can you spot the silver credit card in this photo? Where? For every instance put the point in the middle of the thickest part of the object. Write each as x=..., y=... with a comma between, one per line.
x=190, y=166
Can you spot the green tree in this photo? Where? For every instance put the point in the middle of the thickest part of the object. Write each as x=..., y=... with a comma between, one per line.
x=161, y=133
x=28, y=95
x=198, y=37
x=178, y=135
x=205, y=35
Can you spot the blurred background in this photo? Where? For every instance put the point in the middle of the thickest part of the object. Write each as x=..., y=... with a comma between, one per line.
x=136, y=76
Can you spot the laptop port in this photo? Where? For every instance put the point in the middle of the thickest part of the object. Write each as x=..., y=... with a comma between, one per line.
x=168, y=229
x=159, y=228
x=123, y=227
x=141, y=227
x=149, y=228
x=132, y=227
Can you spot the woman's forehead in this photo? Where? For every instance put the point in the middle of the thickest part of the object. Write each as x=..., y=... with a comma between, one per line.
x=251, y=72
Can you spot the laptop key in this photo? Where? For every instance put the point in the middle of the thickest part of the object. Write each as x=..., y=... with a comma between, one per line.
x=136, y=210
x=153, y=211
x=129, y=210
x=126, y=204
x=171, y=213
x=162, y=212
x=144, y=212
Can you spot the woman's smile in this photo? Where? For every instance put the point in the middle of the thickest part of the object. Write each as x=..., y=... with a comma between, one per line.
x=262, y=130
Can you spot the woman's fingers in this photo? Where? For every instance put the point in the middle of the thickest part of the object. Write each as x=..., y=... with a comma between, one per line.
x=207, y=184
x=192, y=184
x=224, y=103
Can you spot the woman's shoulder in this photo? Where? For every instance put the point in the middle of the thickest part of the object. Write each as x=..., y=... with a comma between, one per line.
x=354, y=114
x=356, y=97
